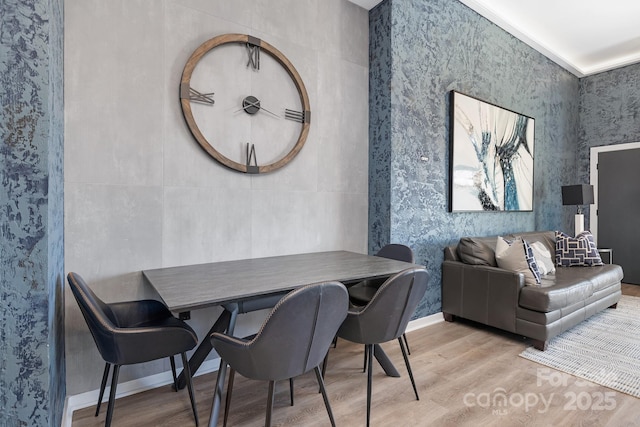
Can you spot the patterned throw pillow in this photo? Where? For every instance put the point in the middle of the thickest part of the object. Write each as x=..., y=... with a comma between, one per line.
x=576, y=251
x=531, y=261
x=546, y=263
x=517, y=255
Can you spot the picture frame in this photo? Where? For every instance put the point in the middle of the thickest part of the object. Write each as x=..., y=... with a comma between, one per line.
x=491, y=157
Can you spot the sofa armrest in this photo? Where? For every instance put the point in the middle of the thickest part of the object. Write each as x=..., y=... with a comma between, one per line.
x=481, y=293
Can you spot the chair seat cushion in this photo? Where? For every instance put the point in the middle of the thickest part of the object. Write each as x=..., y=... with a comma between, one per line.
x=361, y=295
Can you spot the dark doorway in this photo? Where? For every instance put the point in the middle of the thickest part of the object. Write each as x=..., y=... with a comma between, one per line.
x=619, y=209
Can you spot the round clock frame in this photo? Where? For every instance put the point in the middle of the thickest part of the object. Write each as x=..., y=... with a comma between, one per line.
x=186, y=97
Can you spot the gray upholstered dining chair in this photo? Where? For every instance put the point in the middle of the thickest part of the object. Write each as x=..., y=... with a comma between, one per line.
x=293, y=340
x=133, y=332
x=362, y=292
x=385, y=318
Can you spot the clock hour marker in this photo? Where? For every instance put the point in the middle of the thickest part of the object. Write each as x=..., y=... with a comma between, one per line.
x=251, y=154
x=253, y=50
x=187, y=92
x=298, y=116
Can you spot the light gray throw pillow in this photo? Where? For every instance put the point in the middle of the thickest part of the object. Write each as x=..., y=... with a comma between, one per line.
x=517, y=255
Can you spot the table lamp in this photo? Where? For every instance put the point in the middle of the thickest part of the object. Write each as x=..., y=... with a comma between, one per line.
x=578, y=195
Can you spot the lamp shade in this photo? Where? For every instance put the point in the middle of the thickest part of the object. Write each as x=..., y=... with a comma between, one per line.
x=577, y=194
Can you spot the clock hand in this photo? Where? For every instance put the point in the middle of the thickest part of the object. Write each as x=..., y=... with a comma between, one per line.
x=246, y=104
x=270, y=112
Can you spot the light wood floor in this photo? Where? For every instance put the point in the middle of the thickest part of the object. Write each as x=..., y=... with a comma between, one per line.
x=457, y=366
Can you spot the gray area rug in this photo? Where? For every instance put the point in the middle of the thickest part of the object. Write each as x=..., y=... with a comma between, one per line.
x=604, y=349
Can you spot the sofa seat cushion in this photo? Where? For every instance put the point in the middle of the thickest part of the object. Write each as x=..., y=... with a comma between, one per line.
x=604, y=276
x=570, y=285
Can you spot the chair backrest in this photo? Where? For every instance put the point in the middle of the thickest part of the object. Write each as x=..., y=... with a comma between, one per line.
x=297, y=333
x=397, y=252
x=99, y=317
x=386, y=316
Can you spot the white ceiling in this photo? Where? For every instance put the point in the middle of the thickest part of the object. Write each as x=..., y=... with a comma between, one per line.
x=583, y=36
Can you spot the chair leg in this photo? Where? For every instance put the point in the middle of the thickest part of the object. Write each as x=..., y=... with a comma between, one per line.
x=324, y=364
x=112, y=395
x=324, y=367
x=324, y=396
x=272, y=386
x=366, y=355
x=187, y=376
x=406, y=343
x=105, y=375
x=227, y=404
x=291, y=390
x=369, y=350
x=173, y=371
x=406, y=362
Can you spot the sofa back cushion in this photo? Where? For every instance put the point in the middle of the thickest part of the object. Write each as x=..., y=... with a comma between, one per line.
x=476, y=251
x=481, y=250
x=547, y=238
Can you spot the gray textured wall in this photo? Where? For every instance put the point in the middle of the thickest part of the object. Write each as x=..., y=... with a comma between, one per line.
x=609, y=112
x=139, y=191
x=437, y=46
x=32, y=364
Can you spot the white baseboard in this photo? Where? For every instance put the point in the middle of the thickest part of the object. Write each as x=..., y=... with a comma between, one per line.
x=423, y=322
x=89, y=398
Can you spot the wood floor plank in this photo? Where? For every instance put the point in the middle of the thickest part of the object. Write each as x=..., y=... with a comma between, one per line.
x=461, y=369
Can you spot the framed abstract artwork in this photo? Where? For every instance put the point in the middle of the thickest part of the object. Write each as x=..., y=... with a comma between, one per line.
x=491, y=162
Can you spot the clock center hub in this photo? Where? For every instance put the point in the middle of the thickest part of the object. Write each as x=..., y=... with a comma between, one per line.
x=251, y=104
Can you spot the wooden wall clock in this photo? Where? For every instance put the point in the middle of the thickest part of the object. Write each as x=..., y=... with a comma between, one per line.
x=245, y=103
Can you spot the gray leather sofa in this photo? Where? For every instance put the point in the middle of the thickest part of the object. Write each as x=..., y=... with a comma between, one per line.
x=500, y=298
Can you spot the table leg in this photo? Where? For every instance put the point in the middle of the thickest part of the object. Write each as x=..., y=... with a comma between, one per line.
x=205, y=347
x=232, y=309
x=384, y=361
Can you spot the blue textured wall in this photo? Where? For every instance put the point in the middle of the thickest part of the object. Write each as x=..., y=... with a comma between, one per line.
x=32, y=368
x=609, y=112
x=437, y=46
x=379, y=126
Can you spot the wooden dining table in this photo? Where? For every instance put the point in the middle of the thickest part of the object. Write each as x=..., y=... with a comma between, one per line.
x=247, y=285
